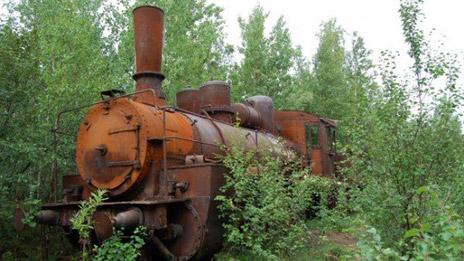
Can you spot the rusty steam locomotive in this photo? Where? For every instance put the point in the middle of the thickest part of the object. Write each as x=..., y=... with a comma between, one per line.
x=159, y=164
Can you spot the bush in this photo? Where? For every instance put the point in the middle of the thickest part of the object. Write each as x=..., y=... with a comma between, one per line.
x=264, y=203
x=115, y=249
x=438, y=236
x=82, y=221
x=406, y=155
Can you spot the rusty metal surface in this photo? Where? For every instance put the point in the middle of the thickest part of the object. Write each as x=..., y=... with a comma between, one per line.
x=246, y=116
x=205, y=181
x=113, y=149
x=109, y=151
x=215, y=100
x=214, y=134
x=194, y=159
x=153, y=82
x=120, y=139
x=291, y=125
x=165, y=253
x=264, y=105
x=128, y=219
x=189, y=99
x=103, y=225
x=72, y=183
x=215, y=94
x=113, y=204
x=56, y=131
x=186, y=246
x=148, y=36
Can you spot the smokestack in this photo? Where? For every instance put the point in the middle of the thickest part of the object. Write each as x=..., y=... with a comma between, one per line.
x=148, y=35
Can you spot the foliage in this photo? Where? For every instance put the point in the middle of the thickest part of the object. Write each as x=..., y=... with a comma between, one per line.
x=402, y=133
x=329, y=72
x=264, y=202
x=362, y=86
x=251, y=72
x=439, y=236
x=18, y=182
x=337, y=82
x=267, y=60
x=115, y=249
x=51, y=58
x=408, y=138
x=82, y=221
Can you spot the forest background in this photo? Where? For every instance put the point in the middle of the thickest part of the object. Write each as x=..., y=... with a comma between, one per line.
x=400, y=129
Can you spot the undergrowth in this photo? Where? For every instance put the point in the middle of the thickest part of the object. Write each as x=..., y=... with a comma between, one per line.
x=265, y=202
x=114, y=248
x=83, y=222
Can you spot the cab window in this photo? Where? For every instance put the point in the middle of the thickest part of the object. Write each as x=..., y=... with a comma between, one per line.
x=331, y=139
x=311, y=136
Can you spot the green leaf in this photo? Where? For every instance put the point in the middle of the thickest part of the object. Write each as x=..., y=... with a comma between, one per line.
x=421, y=190
x=411, y=233
x=446, y=235
x=426, y=227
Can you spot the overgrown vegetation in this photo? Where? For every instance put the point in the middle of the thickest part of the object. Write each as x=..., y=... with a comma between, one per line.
x=83, y=221
x=409, y=161
x=265, y=202
x=115, y=248
x=401, y=131
x=403, y=138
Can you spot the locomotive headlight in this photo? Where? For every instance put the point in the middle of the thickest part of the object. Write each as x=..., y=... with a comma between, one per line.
x=104, y=222
x=48, y=217
x=128, y=219
x=103, y=226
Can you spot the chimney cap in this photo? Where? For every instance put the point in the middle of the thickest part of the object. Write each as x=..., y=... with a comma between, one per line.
x=149, y=6
x=188, y=89
x=215, y=83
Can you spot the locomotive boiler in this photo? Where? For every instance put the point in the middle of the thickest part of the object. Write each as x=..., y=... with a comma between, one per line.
x=160, y=164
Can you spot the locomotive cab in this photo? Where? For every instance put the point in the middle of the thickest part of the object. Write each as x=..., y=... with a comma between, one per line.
x=314, y=137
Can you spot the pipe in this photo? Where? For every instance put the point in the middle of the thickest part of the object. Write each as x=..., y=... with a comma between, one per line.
x=103, y=226
x=162, y=248
x=148, y=36
x=48, y=217
x=264, y=106
x=128, y=219
x=247, y=115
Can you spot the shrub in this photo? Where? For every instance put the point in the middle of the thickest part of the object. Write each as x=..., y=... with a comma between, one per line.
x=438, y=236
x=82, y=221
x=405, y=152
x=115, y=249
x=264, y=203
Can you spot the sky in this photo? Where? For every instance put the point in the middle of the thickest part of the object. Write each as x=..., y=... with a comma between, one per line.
x=377, y=21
